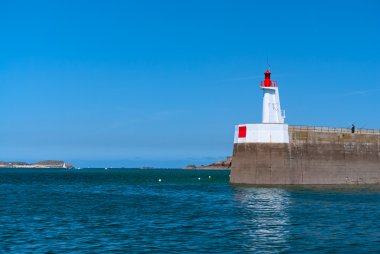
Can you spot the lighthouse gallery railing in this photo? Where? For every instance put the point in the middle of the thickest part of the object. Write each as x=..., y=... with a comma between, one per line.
x=273, y=83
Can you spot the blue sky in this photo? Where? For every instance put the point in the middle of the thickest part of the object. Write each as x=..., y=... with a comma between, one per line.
x=162, y=83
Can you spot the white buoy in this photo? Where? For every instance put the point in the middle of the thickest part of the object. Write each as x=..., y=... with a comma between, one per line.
x=199, y=178
x=159, y=180
x=209, y=177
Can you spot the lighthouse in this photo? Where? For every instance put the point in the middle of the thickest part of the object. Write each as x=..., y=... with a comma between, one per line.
x=271, y=101
x=273, y=128
x=271, y=152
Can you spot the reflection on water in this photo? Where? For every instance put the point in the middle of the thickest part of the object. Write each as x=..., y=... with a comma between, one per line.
x=264, y=213
x=310, y=219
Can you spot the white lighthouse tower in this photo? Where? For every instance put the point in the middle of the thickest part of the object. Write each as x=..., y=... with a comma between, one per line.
x=271, y=101
x=272, y=129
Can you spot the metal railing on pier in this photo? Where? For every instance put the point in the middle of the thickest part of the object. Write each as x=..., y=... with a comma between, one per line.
x=334, y=130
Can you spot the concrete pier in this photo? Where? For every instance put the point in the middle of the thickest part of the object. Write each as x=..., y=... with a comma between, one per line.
x=314, y=155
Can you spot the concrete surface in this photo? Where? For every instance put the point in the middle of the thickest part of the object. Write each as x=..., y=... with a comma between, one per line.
x=311, y=157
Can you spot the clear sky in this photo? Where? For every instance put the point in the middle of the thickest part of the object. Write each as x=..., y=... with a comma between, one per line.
x=162, y=83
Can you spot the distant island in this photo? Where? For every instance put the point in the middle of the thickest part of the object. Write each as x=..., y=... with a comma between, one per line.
x=40, y=164
x=224, y=164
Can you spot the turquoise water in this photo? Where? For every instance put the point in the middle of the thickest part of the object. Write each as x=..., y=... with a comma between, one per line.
x=131, y=211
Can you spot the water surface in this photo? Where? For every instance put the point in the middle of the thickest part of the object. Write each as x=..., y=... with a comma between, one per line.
x=133, y=211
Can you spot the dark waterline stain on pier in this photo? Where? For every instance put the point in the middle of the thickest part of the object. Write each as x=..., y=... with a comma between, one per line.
x=130, y=211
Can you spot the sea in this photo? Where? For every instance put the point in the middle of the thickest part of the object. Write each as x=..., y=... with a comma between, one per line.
x=179, y=211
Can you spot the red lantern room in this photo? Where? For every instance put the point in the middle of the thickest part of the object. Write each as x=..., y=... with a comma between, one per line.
x=267, y=81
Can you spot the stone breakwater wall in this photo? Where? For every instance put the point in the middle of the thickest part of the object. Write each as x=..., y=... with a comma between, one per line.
x=313, y=156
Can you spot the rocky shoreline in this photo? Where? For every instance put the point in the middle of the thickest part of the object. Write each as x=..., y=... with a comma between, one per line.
x=221, y=165
x=40, y=164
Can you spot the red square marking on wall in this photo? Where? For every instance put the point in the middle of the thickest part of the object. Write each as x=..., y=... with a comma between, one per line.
x=242, y=132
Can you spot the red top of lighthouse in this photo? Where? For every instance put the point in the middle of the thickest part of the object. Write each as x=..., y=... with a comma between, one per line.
x=267, y=81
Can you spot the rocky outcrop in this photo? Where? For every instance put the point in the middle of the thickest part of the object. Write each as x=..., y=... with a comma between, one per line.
x=224, y=164
x=40, y=164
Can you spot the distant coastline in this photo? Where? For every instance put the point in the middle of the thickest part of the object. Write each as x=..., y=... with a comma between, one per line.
x=40, y=164
x=221, y=165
